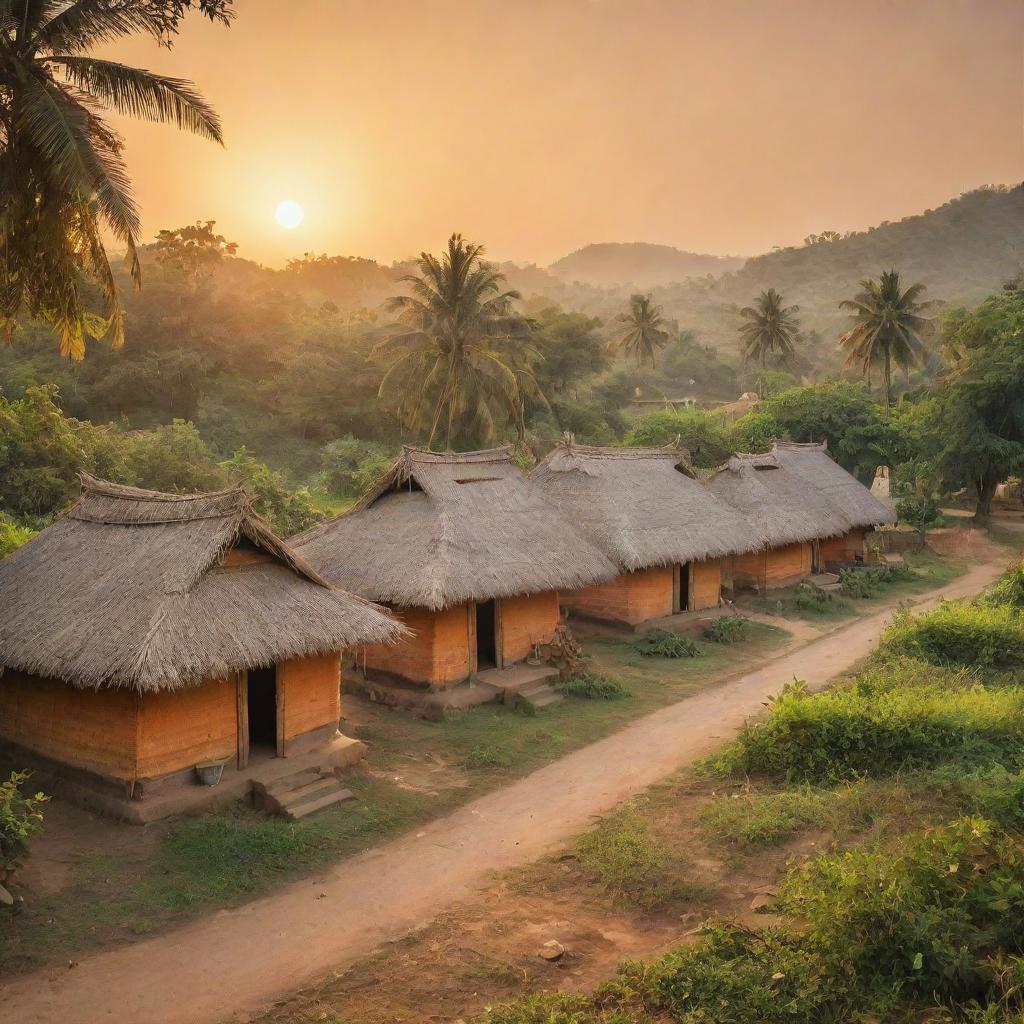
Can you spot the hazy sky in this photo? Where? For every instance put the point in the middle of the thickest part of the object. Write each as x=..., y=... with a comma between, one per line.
x=537, y=126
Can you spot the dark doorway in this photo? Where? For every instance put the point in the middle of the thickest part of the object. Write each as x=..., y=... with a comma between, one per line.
x=486, y=647
x=683, y=587
x=262, y=703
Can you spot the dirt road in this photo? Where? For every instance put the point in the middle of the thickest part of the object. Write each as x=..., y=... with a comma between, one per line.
x=230, y=964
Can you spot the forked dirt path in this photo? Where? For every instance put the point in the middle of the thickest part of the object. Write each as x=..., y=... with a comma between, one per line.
x=235, y=962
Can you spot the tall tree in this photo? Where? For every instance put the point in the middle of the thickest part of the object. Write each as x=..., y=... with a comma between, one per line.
x=887, y=326
x=462, y=359
x=645, y=330
x=770, y=327
x=63, y=179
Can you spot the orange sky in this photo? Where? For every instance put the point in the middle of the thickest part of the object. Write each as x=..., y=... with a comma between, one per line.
x=536, y=126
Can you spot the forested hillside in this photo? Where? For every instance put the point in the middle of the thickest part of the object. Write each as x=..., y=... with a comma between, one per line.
x=640, y=264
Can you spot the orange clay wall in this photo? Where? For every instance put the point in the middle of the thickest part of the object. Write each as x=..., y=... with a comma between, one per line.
x=778, y=567
x=311, y=688
x=180, y=728
x=439, y=653
x=706, y=584
x=842, y=549
x=632, y=598
x=526, y=621
x=90, y=729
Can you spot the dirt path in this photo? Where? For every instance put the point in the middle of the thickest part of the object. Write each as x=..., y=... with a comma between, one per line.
x=235, y=962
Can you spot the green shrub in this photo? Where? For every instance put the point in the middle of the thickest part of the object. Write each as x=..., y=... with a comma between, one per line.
x=902, y=715
x=663, y=643
x=763, y=819
x=20, y=817
x=12, y=535
x=482, y=756
x=811, y=600
x=1008, y=590
x=959, y=633
x=729, y=629
x=871, y=580
x=590, y=686
x=630, y=864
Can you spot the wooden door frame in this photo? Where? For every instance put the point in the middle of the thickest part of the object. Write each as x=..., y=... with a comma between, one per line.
x=242, y=704
x=679, y=604
x=474, y=661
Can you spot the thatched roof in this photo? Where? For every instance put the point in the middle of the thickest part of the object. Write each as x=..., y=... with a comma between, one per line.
x=129, y=588
x=813, y=462
x=438, y=530
x=781, y=505
x=639, y=508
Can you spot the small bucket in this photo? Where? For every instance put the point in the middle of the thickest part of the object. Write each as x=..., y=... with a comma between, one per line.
x=210, y=772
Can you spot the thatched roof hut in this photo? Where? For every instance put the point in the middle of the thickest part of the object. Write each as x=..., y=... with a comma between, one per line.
x=639, y=507
x=128, y=589
x=813, y=462
x=439, y=530
x=781, y=505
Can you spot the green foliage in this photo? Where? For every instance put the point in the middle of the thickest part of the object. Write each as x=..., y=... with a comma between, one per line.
x=920, y=511
x=1008, y=590
x=287, y=510
x=12, y=535
x=765, y=819
x=483, y=756
x=591, y=686
x=663, y=643
x=900, y=715
x=811, y=600
x=769, y=328
x=630, y=864
x=702, y=434
x=349, y=466
x=869, y=581
x=728, y=629
x=643, y=330
x=959, y=633
x=20, y=816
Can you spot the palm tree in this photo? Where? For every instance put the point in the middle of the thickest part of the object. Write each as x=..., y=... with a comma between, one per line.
x=62, y=177
x=645, y=331
x=770, y=327
x=887, y=326
x=463, y=357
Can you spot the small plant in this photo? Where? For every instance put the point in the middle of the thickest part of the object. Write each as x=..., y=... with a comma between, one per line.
x=663, y=643
x=729, y=629
x=590, y=686
x=810, y=600
x=631, y=864
x=867, y=582
x=482, y=756
x=921, y=512
x=960, y=633
x=20, y=817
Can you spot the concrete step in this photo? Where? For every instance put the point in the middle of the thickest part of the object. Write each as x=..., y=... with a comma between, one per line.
x=289, y=782
x=538, y=697
x=304, y=808
x=300, y=794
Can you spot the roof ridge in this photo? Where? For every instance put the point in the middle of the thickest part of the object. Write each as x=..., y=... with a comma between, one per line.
x=111, y=489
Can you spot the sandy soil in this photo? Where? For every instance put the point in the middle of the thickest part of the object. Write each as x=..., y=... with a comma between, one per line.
x=235, y=963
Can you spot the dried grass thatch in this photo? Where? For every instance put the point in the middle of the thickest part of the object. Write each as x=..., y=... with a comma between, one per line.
x=781, y=505
x=128, y=589
x=438, y=530
x=843, y=490
x=639, y=508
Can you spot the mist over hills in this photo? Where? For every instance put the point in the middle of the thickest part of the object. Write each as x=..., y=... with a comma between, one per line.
x=641, y=264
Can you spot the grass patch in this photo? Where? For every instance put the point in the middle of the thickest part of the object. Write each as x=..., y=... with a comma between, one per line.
x=591, y=686
x=627, y=861
x=663, y=643
x=486, y=757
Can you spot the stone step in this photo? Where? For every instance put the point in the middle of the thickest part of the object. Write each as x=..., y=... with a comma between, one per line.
x=538, y=701
x=304, y=808
x=317, y=787
x=288, y=782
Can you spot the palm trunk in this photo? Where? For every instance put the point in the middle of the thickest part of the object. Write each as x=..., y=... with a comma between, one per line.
x=888, y=380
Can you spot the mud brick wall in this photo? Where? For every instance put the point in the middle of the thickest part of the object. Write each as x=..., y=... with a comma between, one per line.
x=706, y=584
x=438, y=654
x=526, y=621
x=311, y=690
x=842, y=549
x=777, y=567
x=91, y=729
x=632, y=598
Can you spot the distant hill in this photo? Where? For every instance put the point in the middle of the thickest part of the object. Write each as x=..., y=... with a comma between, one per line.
x=642, y=264
x=962, y=251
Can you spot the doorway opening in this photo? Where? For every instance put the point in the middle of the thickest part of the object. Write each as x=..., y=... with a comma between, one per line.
x=681, y=588
x=261, y=699
x=486, y=635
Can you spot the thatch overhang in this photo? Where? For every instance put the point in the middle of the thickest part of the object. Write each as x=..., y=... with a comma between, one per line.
x=813, y=463
x=781, y=505
x=441, y=529
x=639, y=507
x=130, y=588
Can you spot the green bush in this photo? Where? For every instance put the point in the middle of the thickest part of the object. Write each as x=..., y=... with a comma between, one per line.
x=20, y=817
x=663, y=643
x=959, y=633
x=871, y=580
x=482, y=756
x=763, y=819
x=12, y=535
x=590, y=686
x=811, y=600
x=902, y=715
x=1008, y=590
x=729, y=629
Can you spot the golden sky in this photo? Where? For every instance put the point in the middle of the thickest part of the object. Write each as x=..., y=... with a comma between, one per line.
x=537, y=126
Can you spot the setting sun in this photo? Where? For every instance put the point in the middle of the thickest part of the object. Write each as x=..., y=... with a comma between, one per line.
x=289, y=214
